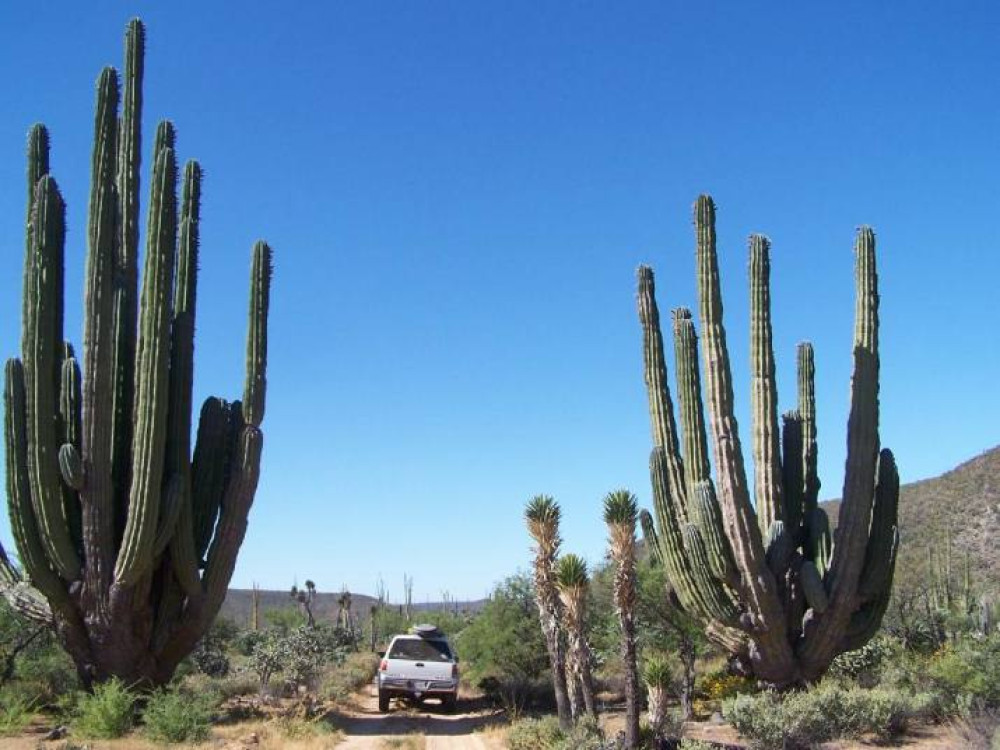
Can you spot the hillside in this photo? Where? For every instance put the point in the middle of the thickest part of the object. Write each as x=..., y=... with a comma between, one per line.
x=965, y=500
x=325, y=608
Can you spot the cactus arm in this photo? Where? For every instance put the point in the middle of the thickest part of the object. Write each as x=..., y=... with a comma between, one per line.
x=764, y=391
x=211, y=457
x=42, y=347
x=791, y=472
x=256, y=367
x=650, y=536
x=734, y=499
x=183, y=555
x=23, y=599
x=696, y=465
x=876, y=576
x=125, y=263
x=38, y=167
x=806, y=369
x=661, y=408
x=23, y=525
x=152, y=376
x=229, y=535
x=812, y=586
x=97, y=496
x=825, y=633
x=709, y=519
x=698, y=591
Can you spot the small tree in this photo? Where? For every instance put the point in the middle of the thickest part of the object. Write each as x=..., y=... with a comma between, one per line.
x=305, y=599
x=573, y=582
x=542, y=517
x=620, y=513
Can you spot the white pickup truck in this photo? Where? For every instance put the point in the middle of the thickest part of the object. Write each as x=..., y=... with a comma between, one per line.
x=421, y=664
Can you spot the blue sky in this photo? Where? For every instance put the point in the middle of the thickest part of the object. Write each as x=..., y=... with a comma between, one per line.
x=458, y=195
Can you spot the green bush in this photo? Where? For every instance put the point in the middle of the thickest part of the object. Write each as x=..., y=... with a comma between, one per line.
x=865, y=663
x=346, y=679
x=107, y=713
x=534, y=734
x=176, y=716
x=504, y=651
x=821, y=714
x=967, y=674
x=545, y=734
x=16, y=711
x=691, y=744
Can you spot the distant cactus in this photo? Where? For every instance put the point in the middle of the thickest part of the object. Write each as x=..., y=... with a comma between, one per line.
x=765, y=580
x=129, y=540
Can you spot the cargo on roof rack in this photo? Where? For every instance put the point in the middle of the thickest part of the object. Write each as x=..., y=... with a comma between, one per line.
x=426, y=631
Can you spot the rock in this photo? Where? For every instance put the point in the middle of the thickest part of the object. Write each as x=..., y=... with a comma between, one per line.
x=56, y=734
x=716, y=719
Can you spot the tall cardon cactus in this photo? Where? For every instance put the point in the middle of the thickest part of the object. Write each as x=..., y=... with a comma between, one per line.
x=127, y=541
x=764, y=577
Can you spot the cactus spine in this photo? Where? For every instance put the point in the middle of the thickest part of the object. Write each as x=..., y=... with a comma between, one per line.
x=764, y=577
x=113, y=520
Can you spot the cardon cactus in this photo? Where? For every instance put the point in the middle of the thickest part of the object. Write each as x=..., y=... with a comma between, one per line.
x=764, y=577
x=127, y=543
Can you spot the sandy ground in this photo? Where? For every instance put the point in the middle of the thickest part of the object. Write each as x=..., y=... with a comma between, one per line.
x=367, y=729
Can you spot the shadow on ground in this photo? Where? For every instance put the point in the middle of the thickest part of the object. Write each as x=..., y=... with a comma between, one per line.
x=428, y=718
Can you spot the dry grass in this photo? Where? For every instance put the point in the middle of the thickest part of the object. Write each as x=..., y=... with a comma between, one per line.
x=409, y=742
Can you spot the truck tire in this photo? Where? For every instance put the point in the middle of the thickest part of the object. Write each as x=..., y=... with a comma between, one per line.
x=383, y=701
x=448, y=703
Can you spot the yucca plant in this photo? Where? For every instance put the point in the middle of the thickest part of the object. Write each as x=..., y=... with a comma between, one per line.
x=573, y=582
x=542, y=518
x=621, y=510
x=657, y=678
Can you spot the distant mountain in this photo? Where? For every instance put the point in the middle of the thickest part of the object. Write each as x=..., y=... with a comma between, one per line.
x=965, y=502
x=325, y=608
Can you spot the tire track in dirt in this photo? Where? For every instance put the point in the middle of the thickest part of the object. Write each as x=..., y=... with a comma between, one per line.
x=366, y=728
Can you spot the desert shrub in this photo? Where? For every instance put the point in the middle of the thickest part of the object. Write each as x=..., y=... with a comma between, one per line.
x=16, y=710
x=692, y=744
x=826, y=712
x=178, y=716
x=864, y=664
x=234, y=685
x=534, y=734
x=247, y=640
x=545, y=734
x=209, y=657
x=719, y=685
x=504, y=650
x=298, y=655
x=758, y=718
x=107, y=713
x=586, y=734
x=346, y=679
x=967, y=674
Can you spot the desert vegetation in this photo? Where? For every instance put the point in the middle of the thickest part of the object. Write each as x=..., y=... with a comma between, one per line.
x=757, y=618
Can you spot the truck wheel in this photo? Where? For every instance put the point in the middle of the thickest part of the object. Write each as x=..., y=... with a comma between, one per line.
x=383, y=701
x=448, y=703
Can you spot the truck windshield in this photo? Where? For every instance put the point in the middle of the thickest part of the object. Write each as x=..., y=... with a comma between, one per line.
x=420, y=649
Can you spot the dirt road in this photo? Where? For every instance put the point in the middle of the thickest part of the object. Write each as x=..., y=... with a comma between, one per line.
x=367, y=729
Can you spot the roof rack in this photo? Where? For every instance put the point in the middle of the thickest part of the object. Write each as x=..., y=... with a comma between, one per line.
x=426, y=631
